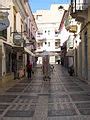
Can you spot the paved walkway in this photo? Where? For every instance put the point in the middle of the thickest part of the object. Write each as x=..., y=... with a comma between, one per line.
x=61, y=98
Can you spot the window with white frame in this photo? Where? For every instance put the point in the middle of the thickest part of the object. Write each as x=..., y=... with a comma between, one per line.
x=48, y=44
x=57, y=43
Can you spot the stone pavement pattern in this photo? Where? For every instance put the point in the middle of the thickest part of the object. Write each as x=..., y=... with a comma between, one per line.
x=61, y=98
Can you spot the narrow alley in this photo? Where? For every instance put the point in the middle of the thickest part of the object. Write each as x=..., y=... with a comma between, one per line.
x=61, y=98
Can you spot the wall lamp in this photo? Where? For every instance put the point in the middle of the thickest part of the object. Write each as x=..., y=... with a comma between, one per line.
x=61, y=8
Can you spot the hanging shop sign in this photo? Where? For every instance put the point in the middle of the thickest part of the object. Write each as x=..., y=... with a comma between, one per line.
x=17, y=36
x=17, y=39
x=4, y=21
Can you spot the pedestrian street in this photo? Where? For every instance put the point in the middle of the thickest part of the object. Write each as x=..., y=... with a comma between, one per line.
x=63, y=97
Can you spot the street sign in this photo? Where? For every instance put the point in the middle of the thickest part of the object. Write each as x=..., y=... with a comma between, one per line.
x=4, y=21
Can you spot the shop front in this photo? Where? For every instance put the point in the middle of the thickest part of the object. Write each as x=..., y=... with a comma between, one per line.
x=5, y=60
x=17, y=60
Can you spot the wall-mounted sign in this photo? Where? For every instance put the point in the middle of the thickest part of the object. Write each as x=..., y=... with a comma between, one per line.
x=4, y=21
x=17, y=39
x=17, y=36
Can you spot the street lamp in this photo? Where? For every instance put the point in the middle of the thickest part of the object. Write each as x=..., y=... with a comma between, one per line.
x=60, y=7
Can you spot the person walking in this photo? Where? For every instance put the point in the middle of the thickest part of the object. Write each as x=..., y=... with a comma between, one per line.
x=46, y=67
x=29, y=69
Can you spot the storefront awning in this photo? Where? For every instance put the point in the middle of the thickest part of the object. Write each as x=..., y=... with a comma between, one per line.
x=70, y=53
x=28, y=51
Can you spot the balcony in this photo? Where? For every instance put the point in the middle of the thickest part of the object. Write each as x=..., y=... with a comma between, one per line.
x=71, y=25
x=79, y=10
x=40, y=38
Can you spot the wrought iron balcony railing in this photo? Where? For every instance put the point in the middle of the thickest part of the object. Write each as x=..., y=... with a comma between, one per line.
x=78, y=6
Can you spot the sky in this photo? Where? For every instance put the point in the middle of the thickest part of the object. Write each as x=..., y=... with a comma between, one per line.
x=45, y=4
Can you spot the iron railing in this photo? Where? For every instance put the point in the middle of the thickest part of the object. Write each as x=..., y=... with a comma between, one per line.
x=76, y=6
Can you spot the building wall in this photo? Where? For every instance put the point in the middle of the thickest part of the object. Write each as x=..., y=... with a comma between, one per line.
x=0, y=59
x=7, y=43
x=86, y=50
x=48, y=22
x=88, y=45
x=6, y=51
x=82, y=14
x=80, y=60
x=83, y=55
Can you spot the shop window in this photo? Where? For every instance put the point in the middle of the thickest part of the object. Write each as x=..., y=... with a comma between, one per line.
x=3, y=33
x=8, y=62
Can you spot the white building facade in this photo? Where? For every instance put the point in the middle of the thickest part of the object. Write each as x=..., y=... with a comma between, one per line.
x=48, y=36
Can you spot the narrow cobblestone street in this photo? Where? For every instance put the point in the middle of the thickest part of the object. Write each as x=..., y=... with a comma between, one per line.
x=61, y=98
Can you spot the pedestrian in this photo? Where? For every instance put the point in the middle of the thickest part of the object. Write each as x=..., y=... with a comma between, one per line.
x=21, y=72
x=46, y=67
x=71, y=70
x=29, y=69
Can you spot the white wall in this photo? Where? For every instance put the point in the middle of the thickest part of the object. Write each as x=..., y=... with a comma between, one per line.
x=49, y=20
x=39, y=60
